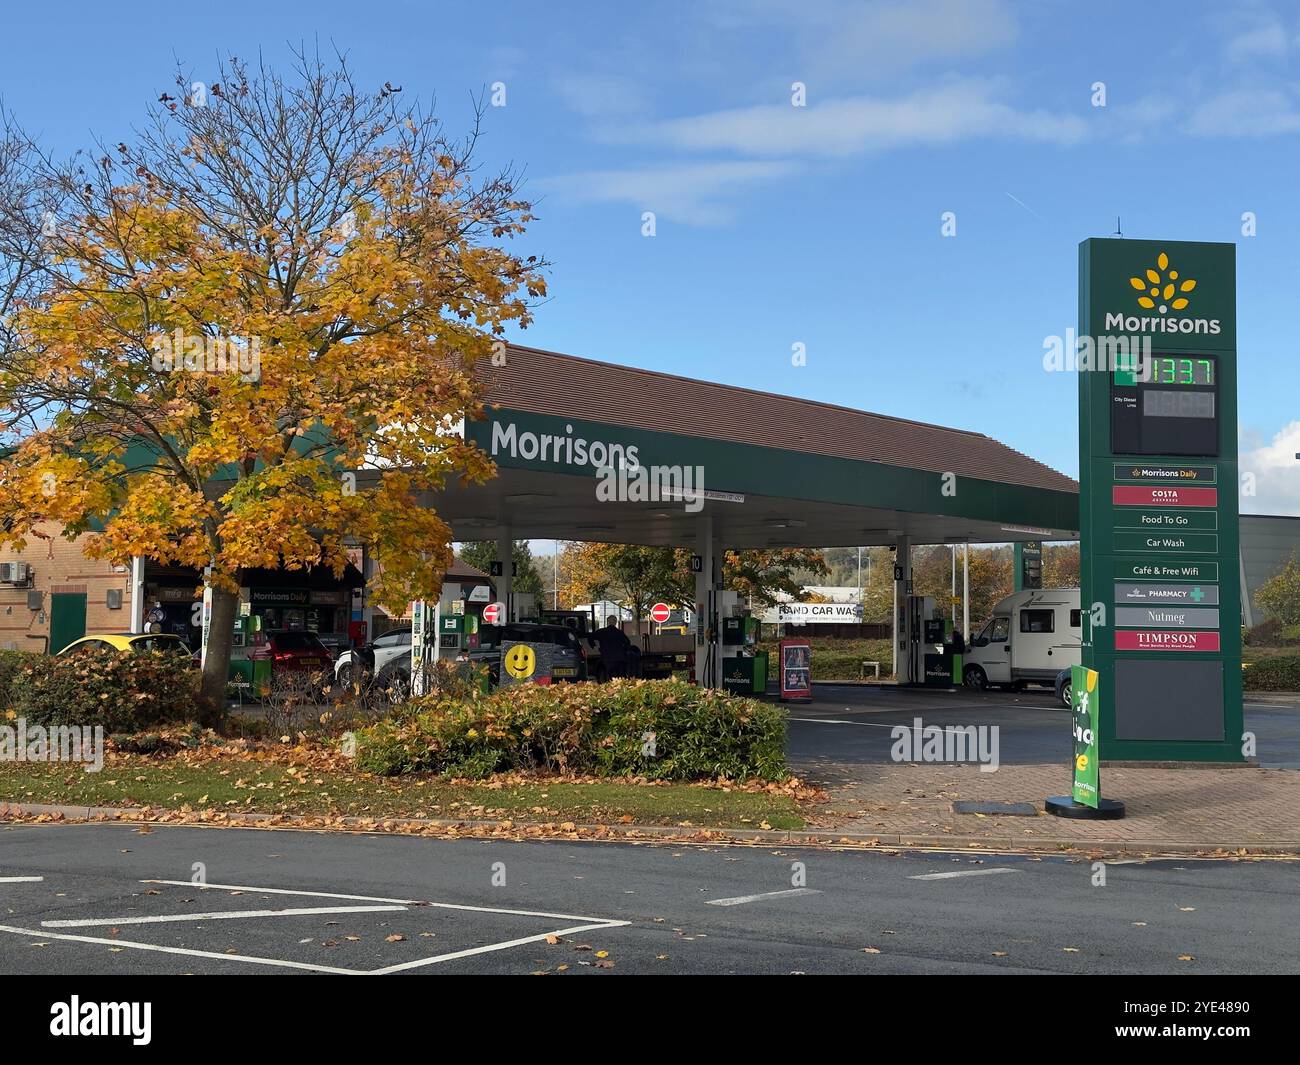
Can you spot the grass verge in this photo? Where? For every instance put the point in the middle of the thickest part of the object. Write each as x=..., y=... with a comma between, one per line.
x=259, y=786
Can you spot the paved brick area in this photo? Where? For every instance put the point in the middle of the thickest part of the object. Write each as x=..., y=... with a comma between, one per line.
x=1217, y=808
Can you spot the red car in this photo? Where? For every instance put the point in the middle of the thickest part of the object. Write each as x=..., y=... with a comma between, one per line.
x=294, y=652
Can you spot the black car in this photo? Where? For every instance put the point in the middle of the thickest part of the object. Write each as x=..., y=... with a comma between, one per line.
x=1063, y=688
x=569, y=657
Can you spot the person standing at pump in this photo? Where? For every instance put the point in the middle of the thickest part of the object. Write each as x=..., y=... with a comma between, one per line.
x=615, y=649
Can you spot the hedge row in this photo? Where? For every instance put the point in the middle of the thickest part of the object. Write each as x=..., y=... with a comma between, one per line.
x=120, y=692
x=1277, y=673
x=666, y=730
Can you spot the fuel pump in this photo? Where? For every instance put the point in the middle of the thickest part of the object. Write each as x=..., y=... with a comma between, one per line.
x=916, y=624
x=744, y=671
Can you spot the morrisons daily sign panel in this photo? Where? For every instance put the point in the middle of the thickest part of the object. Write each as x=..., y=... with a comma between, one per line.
x=1158, y=496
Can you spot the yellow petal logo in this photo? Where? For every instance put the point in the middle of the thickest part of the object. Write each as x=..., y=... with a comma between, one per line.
x=1162, y=288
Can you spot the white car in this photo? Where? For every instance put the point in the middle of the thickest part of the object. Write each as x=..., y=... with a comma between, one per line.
x=373, y=657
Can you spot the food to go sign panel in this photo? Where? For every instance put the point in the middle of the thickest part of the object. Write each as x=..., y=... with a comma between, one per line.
x=1158, y=496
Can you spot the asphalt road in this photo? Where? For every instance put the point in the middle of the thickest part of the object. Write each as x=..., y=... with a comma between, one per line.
x=103, y=905
x=848, y=725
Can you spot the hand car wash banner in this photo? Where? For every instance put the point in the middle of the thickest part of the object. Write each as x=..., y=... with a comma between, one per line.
x=1085, y=703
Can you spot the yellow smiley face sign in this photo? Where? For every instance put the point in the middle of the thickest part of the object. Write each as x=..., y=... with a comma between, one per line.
x=520, y=661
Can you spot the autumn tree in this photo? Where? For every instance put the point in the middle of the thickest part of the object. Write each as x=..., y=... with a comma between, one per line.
x=1279, y=596
x=642, y=576
x=482, y=553
x=1061, y=565
x=255, y=333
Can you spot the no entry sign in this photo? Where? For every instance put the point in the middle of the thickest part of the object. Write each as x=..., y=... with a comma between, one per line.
x=492, y=613
x=659, y=613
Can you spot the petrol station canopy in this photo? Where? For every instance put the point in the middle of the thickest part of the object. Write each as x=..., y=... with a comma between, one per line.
x=777, y=471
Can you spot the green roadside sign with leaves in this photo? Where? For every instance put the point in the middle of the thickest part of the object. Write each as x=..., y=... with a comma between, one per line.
x=1085, y=704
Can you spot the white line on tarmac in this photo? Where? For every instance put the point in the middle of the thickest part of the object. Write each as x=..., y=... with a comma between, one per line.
x=741, y=899
x=182, y=950
x=497, y=946
x=219, y=915
x=21, y=879
x=372, y=898
x=964, y=872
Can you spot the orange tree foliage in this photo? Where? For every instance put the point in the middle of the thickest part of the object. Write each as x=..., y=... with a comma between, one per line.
x=342, y=234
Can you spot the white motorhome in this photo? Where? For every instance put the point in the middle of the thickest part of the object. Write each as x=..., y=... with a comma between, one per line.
x=1030, y=638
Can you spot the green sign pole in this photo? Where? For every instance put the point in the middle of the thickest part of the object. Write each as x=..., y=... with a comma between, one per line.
x=1084, y=800
x=1085, y=701
x=1158, y=497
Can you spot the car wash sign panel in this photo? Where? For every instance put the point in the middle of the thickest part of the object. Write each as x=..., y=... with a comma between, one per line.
x=1158, y=496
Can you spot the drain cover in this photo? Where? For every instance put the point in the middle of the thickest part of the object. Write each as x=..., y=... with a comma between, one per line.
x=1003, y=809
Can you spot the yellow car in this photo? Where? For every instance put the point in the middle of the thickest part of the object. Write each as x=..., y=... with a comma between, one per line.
x=128, y=641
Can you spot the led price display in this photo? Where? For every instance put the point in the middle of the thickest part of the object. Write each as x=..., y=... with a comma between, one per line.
x=1179, y=370
x=1174, y=403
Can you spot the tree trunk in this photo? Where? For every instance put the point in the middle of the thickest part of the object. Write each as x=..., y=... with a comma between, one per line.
x=216, y=666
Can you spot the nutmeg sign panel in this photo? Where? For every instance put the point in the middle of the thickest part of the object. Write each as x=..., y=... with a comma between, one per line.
x=1158, y=496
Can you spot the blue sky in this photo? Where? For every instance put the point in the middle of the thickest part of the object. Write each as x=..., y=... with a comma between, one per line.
x=819, y=225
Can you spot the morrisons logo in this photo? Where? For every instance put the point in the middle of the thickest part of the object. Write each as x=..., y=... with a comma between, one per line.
x=1137, y=324
x=1162, y=289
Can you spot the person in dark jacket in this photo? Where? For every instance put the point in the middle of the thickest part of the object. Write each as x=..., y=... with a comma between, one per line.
x=615, y=649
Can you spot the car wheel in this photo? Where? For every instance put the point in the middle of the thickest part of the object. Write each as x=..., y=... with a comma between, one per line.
x=396, y=684
x=975, y=678
x=1066, y=697
x=346, y=674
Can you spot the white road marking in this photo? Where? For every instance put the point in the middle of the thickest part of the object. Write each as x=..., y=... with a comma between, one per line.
x=964, y=872
x=741, y=899
x=497, y=946
x=218, y=915
x=182, y=950
x=21, y=879
x=826, y=721
x=372, y=898
x=588, y=924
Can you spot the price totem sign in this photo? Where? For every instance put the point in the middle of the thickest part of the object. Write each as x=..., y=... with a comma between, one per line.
x=1157, y=368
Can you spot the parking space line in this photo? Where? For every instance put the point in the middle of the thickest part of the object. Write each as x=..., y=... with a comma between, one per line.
x=373, y=898
x=964, y=872
x=251, y=959
x=217, y=915
x=740, y=900
x=403, y=966
x=21, y=879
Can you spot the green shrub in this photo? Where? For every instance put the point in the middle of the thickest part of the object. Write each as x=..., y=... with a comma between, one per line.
x=11, y=666
x=665, y=730
x=125, y=693
x=836, y=658
x=1277, y=673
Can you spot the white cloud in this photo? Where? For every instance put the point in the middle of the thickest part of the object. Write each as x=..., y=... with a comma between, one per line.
x=601, y=95
x=1246, y=113
x=1277, y=473
x=1266, y=39
x=841, y=41
x=946, y=114
x=699, y=194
